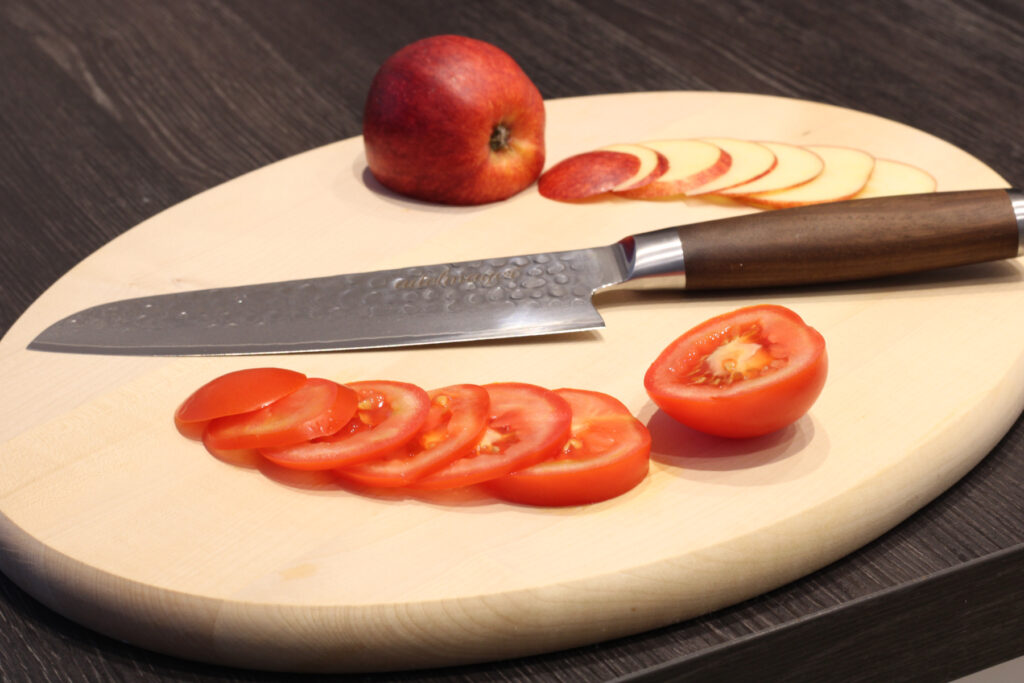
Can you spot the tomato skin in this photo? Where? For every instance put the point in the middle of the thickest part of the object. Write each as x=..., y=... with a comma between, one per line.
x=455, y=423
x=790, y=383
x=317, y=408
x=527, y=424
x=388, y=415
x=607, y=454
x=234, y=393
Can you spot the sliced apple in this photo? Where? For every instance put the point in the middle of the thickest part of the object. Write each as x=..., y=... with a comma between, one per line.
x=652, y=165
x=845, y=174
x=588, y=174
x=794, y=165
x=890, y=178
x=691, y=163
x=750, y=160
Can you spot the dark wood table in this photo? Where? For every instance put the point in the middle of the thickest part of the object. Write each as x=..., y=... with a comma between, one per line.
x=113, y=110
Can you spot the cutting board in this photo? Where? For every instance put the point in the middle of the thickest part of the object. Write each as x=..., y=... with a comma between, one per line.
x=112, y=519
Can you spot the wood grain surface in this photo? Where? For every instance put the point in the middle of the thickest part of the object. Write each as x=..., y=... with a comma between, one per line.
x=115, y=111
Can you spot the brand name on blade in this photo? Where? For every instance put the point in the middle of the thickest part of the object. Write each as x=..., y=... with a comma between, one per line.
x=449, y=278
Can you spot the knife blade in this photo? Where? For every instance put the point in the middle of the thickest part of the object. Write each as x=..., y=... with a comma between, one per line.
x=547, y=293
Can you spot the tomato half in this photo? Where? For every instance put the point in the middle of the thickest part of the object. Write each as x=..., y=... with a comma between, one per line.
x=526, y=424
x=388, y=414
x=236, y=392
x=457, y=419
x=607, y=454
x=745, y=373
x=317, y=408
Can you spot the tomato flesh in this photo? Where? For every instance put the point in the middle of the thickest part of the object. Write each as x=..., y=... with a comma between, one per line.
x=526, y=424
x=456, y=421
x=606, y=455
x=388, y=414
x=238, y=392
x=317, y=408
x=746, y=373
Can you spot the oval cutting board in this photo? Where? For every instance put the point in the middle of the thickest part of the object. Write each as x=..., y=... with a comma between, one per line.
x=112, y=519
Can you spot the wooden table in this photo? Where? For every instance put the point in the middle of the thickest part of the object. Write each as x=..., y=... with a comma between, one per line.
x=113, y=111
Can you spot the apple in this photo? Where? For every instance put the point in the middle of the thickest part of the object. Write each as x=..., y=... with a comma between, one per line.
x=589, y=174
x=750, y=160
x=794, y=165
x=453, y=120
x=896, y=177
x=845, y=173
x=691, y=163
x=608, y=169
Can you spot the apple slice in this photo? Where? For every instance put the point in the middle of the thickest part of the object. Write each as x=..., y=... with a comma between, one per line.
x=890, y=178
x=588, y=174
x=691, y=163
x=750, y=160
x=652, y=165
x=845, y=174
x=794, y=165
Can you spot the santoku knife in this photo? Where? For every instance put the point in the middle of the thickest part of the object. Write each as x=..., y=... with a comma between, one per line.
x=547, y=293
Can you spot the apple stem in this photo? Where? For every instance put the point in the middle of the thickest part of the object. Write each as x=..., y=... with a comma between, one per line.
x=499, y=137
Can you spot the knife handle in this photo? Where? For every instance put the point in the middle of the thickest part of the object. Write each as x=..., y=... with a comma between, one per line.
x=855, y=239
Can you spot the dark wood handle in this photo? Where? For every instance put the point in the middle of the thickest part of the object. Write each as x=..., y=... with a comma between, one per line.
x=851, y=240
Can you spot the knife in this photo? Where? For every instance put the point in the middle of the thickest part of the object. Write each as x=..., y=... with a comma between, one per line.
x=552, y=292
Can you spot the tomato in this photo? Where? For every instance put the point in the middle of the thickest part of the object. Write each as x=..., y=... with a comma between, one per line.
x=607, y=454
x=237, y=392
x=457, y=419
x=317, y=408
x=745, y=373
x=526, y=424
x=388, y=415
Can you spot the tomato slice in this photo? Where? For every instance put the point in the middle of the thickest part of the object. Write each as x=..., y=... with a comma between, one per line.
x=236, y=392
x=745, y=373
x=607, y=454
x=317, y=408
x=527, y=424
x=456, y=421
x=389, y=414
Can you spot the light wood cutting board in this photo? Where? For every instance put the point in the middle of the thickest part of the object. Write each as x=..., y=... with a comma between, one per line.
x=115, y=521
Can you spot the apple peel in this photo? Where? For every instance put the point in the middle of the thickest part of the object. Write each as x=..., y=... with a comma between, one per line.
x=652, y=165
x=589, y=174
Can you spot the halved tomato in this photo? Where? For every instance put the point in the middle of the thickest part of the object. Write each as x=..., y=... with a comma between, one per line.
x=236, y=392
x=317, y=408
x=457, y=419
x=388, y=415
x=745, y=373
x=526, y=424
x=607, y=454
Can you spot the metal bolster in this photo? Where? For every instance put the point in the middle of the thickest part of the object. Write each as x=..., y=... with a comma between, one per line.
x=1017, y=201
x=654, y=259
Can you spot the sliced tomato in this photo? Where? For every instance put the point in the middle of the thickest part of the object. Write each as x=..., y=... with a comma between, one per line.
x=456, y=421
x=527, y=424
x=236, y=392
x=388, y=415
x=607, y=454
x=317, y=408
x=745, y=373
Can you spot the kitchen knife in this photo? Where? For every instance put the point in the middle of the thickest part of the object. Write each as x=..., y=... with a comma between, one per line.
x=549, y=293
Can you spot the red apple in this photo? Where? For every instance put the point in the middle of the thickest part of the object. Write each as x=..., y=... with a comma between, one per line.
x=453, y=120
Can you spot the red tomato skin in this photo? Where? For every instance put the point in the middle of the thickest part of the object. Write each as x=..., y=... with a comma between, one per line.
x=318, y=408
x=234, y=393
x=590, y=478
x=466, y=410
x=353, y=443
x=748, y=408
x=514, y=405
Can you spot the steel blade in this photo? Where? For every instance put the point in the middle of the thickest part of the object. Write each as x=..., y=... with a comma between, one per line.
x=527, y=295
